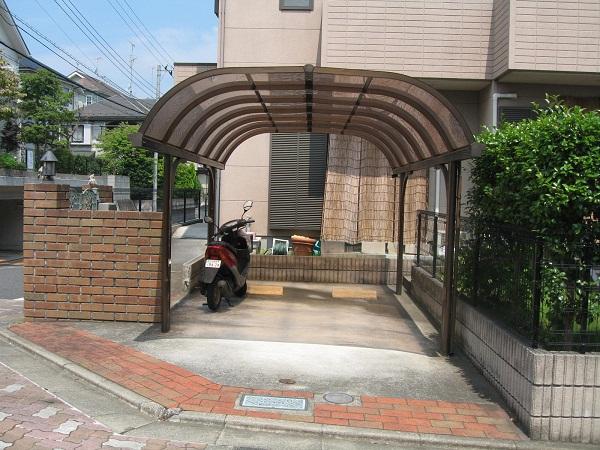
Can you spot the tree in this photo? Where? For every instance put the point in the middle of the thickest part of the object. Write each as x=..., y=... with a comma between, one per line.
x=120, y=157
x=48, y=120
x=185, y=176
x=10, y=94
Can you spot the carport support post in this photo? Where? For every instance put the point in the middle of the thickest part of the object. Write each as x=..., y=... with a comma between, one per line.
x=400, y=251
x=212, y=200
x=165, y=294
x=449, y=301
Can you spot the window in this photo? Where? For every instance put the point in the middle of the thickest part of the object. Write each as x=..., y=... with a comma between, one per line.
x=78, y=134
x=89, y=99
x=298, y=5
x=96, y=132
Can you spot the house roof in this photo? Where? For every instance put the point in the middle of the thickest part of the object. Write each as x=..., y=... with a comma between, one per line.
x=117, y=108
x=93, y=84
x=12, y=31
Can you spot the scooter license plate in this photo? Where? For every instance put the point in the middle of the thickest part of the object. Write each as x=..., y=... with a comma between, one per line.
x=213, y=263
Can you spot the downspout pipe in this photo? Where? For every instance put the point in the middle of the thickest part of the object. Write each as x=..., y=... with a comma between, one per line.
x=495, y=97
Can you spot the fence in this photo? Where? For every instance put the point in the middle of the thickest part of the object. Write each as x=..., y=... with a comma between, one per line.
x=188, y=205
x=431, y=242
x=539, y=290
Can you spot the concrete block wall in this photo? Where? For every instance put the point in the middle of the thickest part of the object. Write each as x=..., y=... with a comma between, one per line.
x=555, y=395
x=98, y=265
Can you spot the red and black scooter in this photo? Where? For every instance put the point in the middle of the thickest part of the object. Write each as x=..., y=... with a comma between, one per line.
x=226, y=261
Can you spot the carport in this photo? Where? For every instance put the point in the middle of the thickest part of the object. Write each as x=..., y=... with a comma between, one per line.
x=206, y=117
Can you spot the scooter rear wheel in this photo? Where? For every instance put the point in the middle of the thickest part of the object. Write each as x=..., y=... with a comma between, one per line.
x=213, y=297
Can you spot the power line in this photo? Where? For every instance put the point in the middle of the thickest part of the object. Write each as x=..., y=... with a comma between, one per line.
x=77, y=61
x=142, y=40
x=165, y=52
x=101, y=47
x=64, y=32
x=79, y=15
x=71, y=64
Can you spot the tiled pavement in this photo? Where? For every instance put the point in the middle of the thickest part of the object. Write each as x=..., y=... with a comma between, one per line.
x=31, y=418
x=175, y=387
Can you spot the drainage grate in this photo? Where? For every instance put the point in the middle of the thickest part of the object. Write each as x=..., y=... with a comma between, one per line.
x=338, y=398
x=264, y=401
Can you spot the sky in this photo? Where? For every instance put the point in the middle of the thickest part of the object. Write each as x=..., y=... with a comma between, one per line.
x=185, y=29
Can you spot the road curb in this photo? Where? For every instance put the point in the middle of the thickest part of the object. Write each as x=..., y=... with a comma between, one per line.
x=160, y=412
x=139, y=402
x=332, y=431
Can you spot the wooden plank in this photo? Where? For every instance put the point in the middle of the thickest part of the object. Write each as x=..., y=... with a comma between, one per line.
x=264, y=289
x=354, y=292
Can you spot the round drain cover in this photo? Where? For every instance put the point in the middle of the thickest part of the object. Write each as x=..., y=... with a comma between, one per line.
x=287, y=381
x=338, y=398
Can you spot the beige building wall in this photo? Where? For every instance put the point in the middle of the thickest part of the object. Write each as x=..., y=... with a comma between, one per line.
x=419, y=38
x=469, y=49
x=257, y=33
x=555, y=35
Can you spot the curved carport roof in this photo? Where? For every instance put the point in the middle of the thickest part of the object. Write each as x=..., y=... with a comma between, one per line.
x=206, y=117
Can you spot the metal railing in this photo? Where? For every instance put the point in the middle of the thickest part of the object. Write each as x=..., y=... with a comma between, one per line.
x=431, y=242
x=536, y=288
x=188, y=205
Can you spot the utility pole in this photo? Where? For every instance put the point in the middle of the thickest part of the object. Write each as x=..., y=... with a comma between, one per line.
x=131, y=60
x=155, y=170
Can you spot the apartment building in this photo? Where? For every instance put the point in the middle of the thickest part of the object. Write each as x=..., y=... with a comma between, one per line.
x=490, y=58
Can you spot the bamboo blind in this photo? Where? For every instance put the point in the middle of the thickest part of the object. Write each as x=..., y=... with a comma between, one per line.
x=361, y=197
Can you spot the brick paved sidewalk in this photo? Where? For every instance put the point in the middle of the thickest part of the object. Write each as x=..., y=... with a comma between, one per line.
x=175, y=387
x=31, y=418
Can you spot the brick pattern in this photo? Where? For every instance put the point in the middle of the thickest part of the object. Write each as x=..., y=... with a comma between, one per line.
x=99, y=265
x=175, y=387
x=555, y=395
x=32, y=418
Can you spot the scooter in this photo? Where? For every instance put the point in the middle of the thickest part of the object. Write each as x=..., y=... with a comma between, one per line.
x=226, y=261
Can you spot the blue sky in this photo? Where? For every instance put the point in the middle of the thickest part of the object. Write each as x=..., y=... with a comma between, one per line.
x=187, y=29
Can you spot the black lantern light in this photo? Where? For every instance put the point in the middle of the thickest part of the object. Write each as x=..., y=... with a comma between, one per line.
x=49, y=165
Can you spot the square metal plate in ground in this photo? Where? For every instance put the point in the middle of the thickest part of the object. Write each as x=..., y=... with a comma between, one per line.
x=267, y=402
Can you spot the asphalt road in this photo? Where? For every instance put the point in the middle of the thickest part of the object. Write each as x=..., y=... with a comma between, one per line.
x=11, y=281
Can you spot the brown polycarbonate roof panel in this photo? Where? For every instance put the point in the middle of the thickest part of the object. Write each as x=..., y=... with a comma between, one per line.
x=206, y=117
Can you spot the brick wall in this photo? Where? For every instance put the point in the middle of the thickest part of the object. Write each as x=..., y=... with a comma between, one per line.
x=98, y=265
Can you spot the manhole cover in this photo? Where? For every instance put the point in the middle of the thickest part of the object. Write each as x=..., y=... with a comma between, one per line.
x=264, y=401
x=338, y=398
x=287, y=381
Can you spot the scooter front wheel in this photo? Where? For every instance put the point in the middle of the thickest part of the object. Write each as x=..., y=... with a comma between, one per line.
x=213, y=296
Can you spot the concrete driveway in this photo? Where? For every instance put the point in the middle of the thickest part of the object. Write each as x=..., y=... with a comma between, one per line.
x=384, y=347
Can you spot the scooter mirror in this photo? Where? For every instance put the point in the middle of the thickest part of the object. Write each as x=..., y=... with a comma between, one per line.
x=248, y=205
x=208, y=219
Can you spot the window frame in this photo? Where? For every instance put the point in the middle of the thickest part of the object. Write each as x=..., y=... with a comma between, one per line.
x=89, y=100
x=284, y=7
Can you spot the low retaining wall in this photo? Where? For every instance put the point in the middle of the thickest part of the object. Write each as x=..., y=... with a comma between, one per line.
x=100, y=265
x=351, y=269
x=555, y=395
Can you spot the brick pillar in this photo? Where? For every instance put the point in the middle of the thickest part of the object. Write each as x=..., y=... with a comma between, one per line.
x=42, y=205
x=45, y=196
